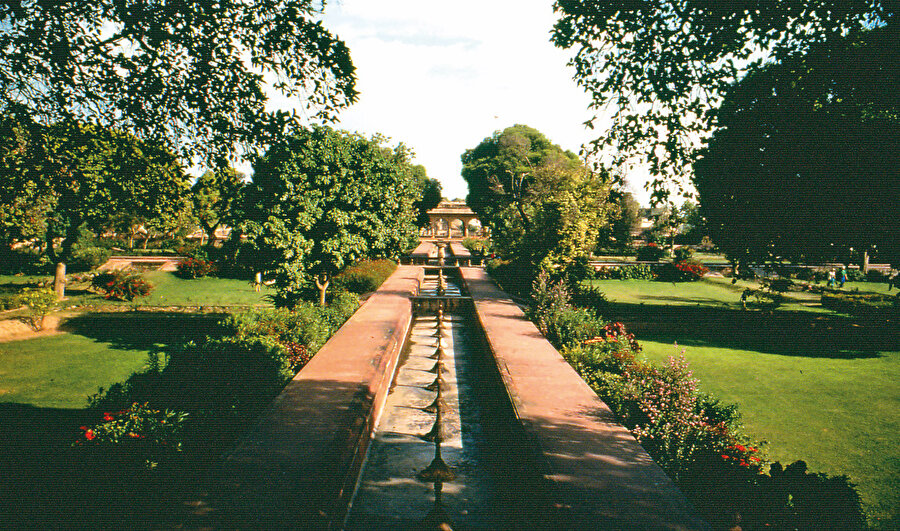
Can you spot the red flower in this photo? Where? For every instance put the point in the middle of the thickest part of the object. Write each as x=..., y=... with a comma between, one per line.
x=89, y=435
x=740, y=448
x=726, y=457
x=108, y=417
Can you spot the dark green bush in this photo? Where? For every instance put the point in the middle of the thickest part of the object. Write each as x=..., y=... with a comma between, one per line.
x=630, y=272
x=869, y=305
x=27, y=261
x=87, y=259
x=569, y=327
x=514, y=277
x=651, y=252
x=9, y=301
x=364, y=277
x=781, y=284
x=683, y=253
x=875, y=275
x=579, y=270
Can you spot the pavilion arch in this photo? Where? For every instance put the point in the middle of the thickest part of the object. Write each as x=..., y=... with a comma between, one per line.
x=451, y=219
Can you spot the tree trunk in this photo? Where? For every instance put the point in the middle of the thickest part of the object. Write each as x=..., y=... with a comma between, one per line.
x=865, y=262
x=59, y=280
x=322, y=283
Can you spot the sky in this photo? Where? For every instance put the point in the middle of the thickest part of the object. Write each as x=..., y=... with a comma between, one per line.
x=442, y=76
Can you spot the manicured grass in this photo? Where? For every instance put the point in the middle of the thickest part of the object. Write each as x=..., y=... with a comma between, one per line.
x=818, y=386
x=62, y=371
x=170, y=290
x=838, y=415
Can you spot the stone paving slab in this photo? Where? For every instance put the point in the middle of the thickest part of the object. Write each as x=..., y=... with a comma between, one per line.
x=597, y=473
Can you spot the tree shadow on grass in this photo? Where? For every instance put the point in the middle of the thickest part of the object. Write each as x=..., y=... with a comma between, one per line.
x=785, y=333
x=153, y=331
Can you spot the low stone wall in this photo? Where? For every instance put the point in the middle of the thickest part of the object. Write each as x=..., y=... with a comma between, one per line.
x=596, y=473
x=298, y=466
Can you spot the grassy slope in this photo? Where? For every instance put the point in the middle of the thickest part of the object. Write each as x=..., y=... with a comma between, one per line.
x=812, y=395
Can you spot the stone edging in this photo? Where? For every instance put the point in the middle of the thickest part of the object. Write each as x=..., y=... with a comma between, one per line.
x=297, y=466
x=597, y=473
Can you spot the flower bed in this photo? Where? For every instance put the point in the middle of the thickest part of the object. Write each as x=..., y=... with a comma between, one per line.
x=696, y=439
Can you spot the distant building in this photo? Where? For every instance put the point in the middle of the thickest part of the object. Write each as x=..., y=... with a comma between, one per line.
x=452, y=219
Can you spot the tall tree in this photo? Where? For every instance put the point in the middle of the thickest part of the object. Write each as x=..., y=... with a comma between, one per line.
x=624, y=219
x=806, y=163
x=215, y=196
x=542, y=204
x=429, y=195
x=88, y=176
x=323, y=199
x=662, y=66
x=192, y=76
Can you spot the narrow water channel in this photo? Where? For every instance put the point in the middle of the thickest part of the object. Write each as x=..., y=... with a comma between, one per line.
x=446, y=452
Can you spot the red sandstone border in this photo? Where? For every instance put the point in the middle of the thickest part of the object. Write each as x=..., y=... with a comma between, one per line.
x=298, y=466
x=599, y=477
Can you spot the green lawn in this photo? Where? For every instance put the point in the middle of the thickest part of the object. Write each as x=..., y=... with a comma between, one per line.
x=168, y=290
x=98, y=350
x=817, y=386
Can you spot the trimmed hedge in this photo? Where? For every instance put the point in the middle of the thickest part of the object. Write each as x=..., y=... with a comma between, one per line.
x=365, y=276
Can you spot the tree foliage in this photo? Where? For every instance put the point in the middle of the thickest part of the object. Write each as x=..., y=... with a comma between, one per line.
x=806, y=163
x=542, y=204
x=190, y=76
x=323, y=199
x=215, y=197
x=661, y=66
x=624, y=219
x=429, y=195
x=79, y=176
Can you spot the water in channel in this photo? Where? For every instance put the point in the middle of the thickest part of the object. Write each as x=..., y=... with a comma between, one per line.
x=436, y=460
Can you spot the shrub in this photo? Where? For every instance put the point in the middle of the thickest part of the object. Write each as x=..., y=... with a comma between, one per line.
x=651, y=252
x=364, y=277
x=683, y=253
x=547, y=297
x=40, y=302
x=684, y=271
x=569, y=327
x=513, y=277
x=780, y=285
x=476, y=246
x=590, y=297
x=122, y=285
x=874, y=275
x=88, y=259
x=869, y=305
x=631, y=272
x=138, y=433
x=26, y=260
x=191, y=268
x=9, y=301
x=579, y=269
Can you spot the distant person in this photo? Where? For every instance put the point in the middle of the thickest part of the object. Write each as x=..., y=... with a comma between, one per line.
x=842, y=276
x=831, y=278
